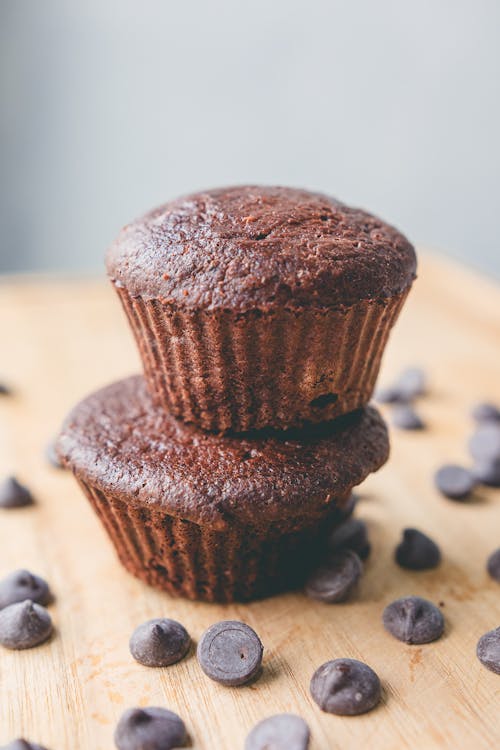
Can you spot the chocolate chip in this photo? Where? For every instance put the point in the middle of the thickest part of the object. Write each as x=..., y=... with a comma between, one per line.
x=454, y=481
x=150, y=729
x=335, y=580
x=159, y=642
x=24, y=625
x=21, y=585
x=488, y=650
x=404, y=417
x=52, y=457
x=487, y=472
x=389, y=395
x=493, y=565
x=13, y=494
x=347, y=510
x=280, y=732
x=486, y=412
x=230, y=652
x=353, y=535
x=484, y=445
x=346, y=687
x=417, y=551
x=4, y=390
x=412, y=383
x=21, y=744
x=413, y=620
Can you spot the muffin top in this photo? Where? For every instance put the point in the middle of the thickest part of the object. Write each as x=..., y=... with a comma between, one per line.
x=119, y=442
x=241, y=248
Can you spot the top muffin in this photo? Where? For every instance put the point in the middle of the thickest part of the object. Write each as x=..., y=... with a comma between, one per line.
x=248, y=247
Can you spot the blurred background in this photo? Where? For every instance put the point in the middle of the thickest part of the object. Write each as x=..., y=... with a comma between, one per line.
x=109, y=107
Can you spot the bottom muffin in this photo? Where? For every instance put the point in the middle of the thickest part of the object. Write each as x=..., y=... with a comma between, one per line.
x=218, y=518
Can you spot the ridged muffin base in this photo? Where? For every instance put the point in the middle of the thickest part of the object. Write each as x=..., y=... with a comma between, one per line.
x=230, y=372
x=185, y=559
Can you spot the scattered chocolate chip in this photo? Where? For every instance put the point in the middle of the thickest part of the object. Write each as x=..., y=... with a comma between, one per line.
x=417, y=551
x=413, y=620
x=352, y=534
x=230, y=652
x=150, y=729
x=493, y=565
x=412, y=383
x=404, y=417
x=337, y=577
x=484, y=445
x=454, y=482
x=4, y=390
x=346, y=687
x=24, y=625
x=487, y=472
x=486, y=412
x=21, y=744
x=159, y=642
x=280, y=732
x=21, y=585
x=348, y=509
x=52, y=457
x=488, y=650
x=13, y=494
x=389, y=395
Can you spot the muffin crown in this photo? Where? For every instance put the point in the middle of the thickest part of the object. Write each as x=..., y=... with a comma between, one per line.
x=251, y=247
x=119, y=442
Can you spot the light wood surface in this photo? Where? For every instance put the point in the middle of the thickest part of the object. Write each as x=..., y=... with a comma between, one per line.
x=59, y=340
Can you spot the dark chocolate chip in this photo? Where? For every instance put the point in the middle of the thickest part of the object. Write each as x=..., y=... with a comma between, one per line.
x=347, y=510
x=484, y=445
x=404, y=417
x=13, y=494
x=52, y=457
x=417, y=551
x=24, y=625
x=150, y=729
x=493, y=565
x=346, y=687
x=487, y=472
x=230, y=652
x=413, y=620
x=454, y=482
x=352, y=534
x=389, y=395
x=21, y=585
x=4, y=390
x=159, y=642
x=20, y=744
x=335, y=580
x=488, y=650
x=280, y=732
x=486, y=412
x=412, y=383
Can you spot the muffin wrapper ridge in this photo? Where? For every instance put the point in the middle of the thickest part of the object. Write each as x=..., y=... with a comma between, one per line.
x=225, y=371
x=187, y=559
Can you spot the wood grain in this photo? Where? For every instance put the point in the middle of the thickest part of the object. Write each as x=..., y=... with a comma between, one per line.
x=62, y=338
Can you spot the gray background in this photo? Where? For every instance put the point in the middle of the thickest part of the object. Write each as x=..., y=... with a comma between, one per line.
x=109, y=107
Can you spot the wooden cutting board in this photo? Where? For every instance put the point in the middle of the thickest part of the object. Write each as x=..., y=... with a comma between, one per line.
x=62, y=338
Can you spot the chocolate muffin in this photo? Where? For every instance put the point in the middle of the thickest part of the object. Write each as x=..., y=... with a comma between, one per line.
x=209, y=516
x=260, y=306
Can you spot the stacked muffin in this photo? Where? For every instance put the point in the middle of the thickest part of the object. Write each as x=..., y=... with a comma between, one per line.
x=261, y=315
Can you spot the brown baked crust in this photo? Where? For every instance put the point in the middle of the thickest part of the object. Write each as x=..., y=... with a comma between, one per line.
x=118, y=442
x=248, y=247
